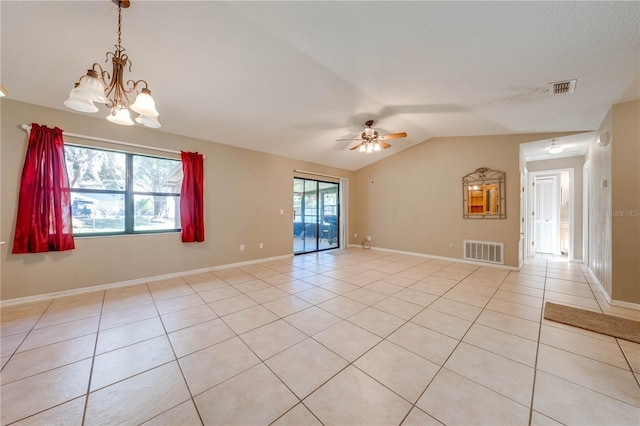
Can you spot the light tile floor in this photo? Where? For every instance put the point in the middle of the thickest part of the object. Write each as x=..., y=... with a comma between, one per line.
x=360, y=337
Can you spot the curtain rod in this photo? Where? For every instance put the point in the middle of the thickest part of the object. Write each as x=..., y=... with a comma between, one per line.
x=318, y=174
x=27, y=128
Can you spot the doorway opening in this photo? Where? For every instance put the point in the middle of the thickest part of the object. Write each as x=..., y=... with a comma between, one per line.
x=550, y=225
x=316, y=219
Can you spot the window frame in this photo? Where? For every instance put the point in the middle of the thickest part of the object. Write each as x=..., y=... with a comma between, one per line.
x=128, y=193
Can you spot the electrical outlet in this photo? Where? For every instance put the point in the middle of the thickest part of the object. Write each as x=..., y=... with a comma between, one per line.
x=451, y=244
x=368, y=237
x=241, y=247
x=355, y=235
x=281, y=211
x=261, y=246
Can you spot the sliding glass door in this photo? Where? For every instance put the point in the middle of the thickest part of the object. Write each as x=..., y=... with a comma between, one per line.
x=316, y=215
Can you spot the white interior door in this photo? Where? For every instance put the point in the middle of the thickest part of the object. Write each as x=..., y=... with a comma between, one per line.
x=546, y=211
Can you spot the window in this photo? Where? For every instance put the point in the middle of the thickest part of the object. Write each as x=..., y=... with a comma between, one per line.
x=116, y=192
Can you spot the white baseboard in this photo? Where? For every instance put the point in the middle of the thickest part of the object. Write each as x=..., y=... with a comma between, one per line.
x=623, y=304
x=448, y=259
x=82, y=290
x=599, y=285
x=610, y=301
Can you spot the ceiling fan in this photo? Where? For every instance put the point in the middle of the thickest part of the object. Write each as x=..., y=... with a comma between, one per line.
x=370, y=140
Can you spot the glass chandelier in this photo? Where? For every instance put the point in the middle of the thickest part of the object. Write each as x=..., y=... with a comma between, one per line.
x=110, y=89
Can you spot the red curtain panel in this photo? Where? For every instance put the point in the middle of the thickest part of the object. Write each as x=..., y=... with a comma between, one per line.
x=44, y=203
x=191, y=198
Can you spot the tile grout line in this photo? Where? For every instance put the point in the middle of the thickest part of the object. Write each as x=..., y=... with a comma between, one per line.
x=349, y=363
x=15, y=351
x=177, y=361
x=624, y=354
x=535, y=370
x=535, y=364
x=441, y=367
x=300, y=401
x=352, y=363
x=93, y=360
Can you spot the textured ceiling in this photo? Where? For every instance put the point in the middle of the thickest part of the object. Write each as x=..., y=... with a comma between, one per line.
x=289, y=78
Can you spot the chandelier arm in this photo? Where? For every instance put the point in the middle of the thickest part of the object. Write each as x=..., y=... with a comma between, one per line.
x=102, y=74
x=134, y=85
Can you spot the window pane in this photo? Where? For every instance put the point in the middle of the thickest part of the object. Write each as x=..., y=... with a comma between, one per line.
x=152, y=174
x=97, y=213
x=156, y=213
x=95, y=168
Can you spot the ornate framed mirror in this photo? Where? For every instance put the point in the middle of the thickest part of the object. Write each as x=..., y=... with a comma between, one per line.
x=484, y=195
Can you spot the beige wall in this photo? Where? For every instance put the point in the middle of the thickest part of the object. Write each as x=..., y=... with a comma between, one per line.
x=412, y=201
x=244, y=192
x=625, y=201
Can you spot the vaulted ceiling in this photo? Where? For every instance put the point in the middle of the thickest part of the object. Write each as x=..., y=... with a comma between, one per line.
x=289, y=78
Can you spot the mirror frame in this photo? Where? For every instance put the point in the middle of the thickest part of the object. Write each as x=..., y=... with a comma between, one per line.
x=483, y=177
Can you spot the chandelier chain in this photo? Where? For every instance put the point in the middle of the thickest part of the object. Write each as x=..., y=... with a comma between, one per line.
x=119, y=24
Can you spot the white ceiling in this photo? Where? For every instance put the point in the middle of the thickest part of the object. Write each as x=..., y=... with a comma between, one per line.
x=289, y=78
x=573, y=146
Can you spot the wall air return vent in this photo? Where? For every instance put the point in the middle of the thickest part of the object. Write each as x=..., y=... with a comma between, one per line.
x=562, y=87
x=484, y=251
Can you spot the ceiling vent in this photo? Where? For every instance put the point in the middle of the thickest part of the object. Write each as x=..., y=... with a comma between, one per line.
x=562, y=87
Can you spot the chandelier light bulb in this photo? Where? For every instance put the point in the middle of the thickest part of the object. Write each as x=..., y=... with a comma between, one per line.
x=147, y=121
x=144, y=104
x=120, y=116
x=77, y=101
x=91, y=87
x=362, y=148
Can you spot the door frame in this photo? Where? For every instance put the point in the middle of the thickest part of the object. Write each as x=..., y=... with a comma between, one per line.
x=540, y=222
x=319, y=215
x=530, y=197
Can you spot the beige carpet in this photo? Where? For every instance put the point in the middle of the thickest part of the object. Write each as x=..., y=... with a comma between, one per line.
x=600, y=323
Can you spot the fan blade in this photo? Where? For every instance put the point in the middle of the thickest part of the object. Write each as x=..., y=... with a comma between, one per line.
x=384, y=145
x=352, y=139
x=395, y=135
x=355, y=147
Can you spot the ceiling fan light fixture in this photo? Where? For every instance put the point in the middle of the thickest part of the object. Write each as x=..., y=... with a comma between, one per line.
x=370, y=140
x=369, y=148
x=113, y=90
